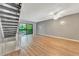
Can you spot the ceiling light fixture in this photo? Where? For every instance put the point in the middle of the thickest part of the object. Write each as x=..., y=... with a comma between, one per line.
x=56, y=15
x=62, y=22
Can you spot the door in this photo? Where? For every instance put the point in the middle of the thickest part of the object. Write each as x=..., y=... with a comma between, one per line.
x=26, y=34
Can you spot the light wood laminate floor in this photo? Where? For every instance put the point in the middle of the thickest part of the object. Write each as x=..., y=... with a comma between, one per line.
x=47, y=46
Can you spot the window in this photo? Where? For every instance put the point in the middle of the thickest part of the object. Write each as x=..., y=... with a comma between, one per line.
x=26, y=28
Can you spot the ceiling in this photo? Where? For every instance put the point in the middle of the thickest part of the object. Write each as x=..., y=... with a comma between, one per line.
x=36, y=12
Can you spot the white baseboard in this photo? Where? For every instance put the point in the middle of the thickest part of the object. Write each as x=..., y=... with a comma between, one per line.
x=11, y=51
x=60, y=37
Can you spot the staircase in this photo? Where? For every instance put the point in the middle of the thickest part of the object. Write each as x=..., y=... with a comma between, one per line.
x=9, y=18
x=9, y=13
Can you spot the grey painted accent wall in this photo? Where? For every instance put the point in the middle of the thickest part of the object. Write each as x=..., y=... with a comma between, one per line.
x=69, y=29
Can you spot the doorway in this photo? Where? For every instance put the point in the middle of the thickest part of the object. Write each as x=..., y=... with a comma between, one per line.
x=26, y=35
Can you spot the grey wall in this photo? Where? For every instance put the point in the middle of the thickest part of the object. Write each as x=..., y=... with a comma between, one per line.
x=70, y=29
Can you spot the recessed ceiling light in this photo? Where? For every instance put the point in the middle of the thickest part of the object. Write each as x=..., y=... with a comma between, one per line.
x=51, y=13
x=62, y=22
